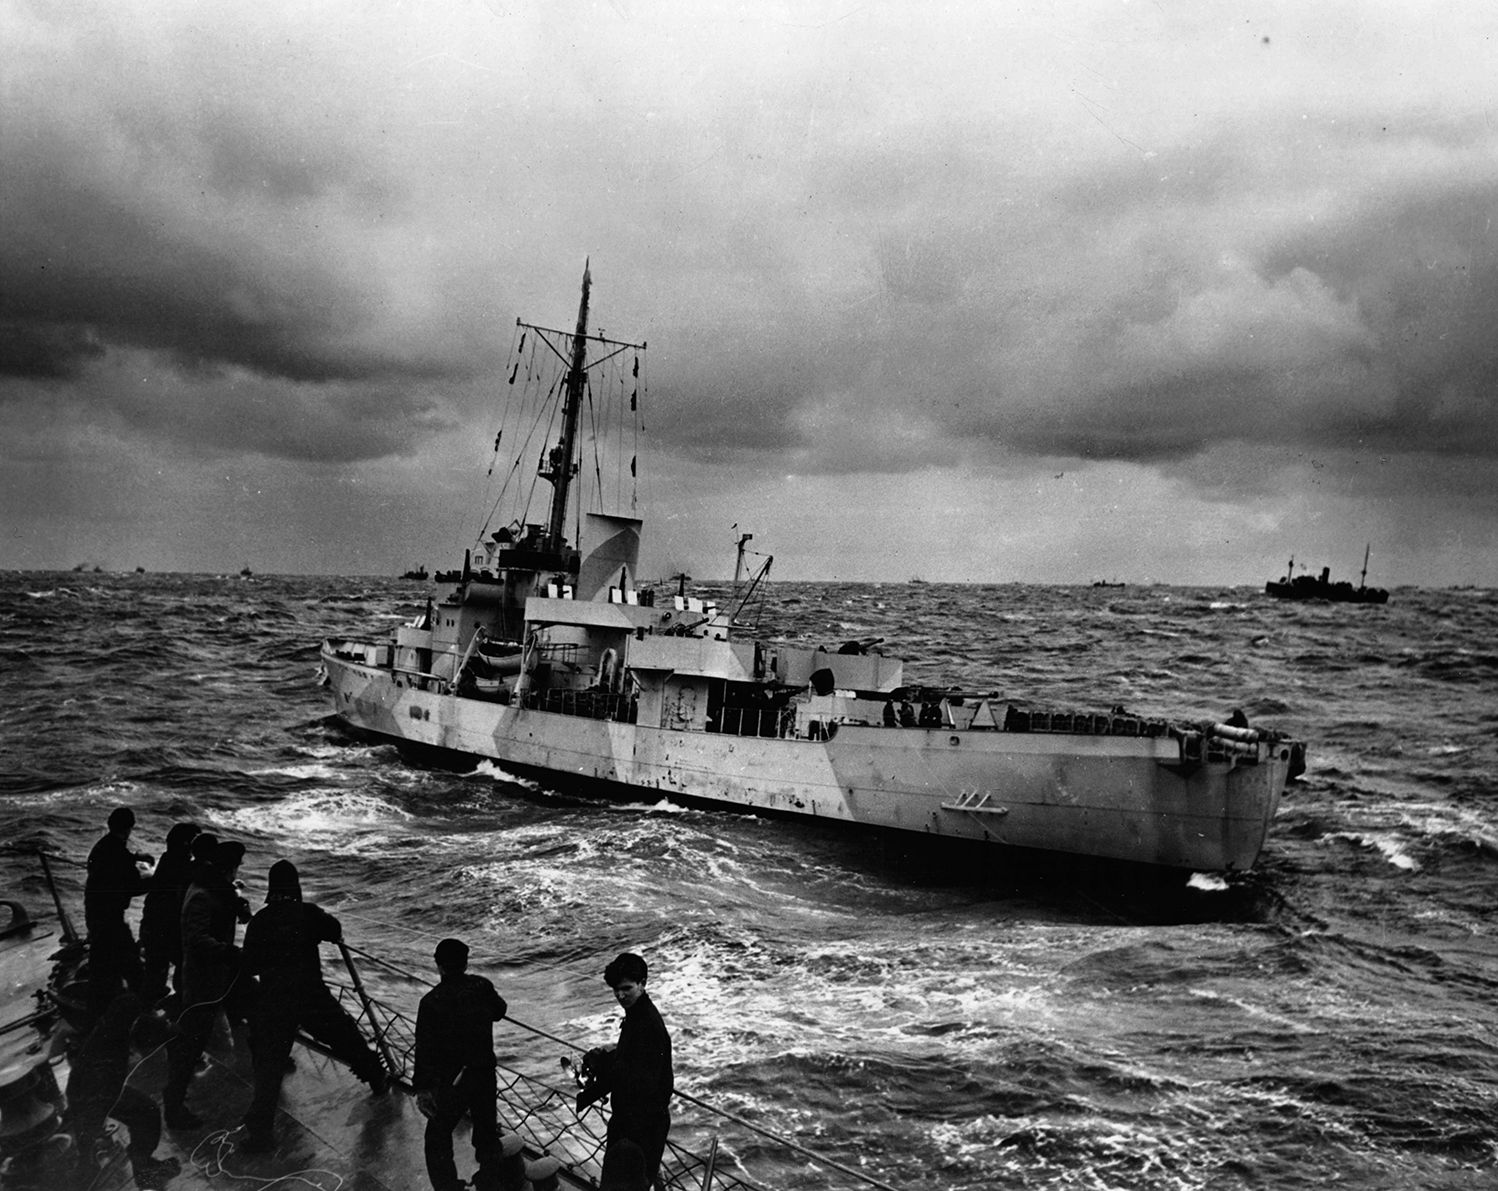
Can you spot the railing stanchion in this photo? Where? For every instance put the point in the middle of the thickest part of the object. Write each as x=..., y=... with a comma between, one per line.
x=68, y=932
x=712, y=1162
x=369, y=1012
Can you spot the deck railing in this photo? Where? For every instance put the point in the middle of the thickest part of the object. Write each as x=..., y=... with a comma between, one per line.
x=545, y=1114
x=587, y=704
x=756, y=721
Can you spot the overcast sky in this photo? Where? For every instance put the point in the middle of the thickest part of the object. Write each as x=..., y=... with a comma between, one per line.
x=972, y=291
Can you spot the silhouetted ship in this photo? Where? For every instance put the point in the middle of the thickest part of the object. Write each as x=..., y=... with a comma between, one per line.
x=419, y=574
x=557, y=662
x=1321, y=587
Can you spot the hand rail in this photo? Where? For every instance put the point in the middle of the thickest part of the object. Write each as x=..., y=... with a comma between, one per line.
x=779, y=1139
x=712, y=1166
x=69, y=934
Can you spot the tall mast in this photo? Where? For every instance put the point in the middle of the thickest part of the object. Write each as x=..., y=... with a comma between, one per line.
x=561, y=465
x=558, y=464
x=1363, y=582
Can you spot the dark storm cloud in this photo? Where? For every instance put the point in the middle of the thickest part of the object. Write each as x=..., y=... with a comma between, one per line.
x=1309, y=324
x=930, y=256
x=312, y=425
x=1301, y=288
x=1424, y=271
x=46, y=351
x=201, y=248
x=231, y=411
x=90, y=264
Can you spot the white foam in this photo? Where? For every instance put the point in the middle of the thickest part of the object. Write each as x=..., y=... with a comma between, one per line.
x=114, y=792
x=312, y=771
x=493, y=771
x=1452, y=822
x=316, y=813
x=664, y=807
x=1288, y=1024
x=839, y=989
x=1389, y=846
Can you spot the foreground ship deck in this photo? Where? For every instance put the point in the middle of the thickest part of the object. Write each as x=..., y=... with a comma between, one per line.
x=330, y=1131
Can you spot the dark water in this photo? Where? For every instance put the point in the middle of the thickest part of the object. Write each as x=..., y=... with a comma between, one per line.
x=1328, y=1019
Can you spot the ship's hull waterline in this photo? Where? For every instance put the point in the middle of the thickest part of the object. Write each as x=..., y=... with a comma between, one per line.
x=1139, y=798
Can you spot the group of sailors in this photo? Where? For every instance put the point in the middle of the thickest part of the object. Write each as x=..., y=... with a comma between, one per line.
x=905, y=716
x=169, y=989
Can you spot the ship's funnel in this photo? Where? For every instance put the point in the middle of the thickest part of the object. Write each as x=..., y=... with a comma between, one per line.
x=610, y=553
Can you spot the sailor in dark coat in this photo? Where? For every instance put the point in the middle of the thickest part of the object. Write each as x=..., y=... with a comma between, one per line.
x=455, y=1067
x=97, y=1089
x=161, y=913
x=624, y=1167
x=281, y=948
x=211, y=967
x=113, y=880
x=636, y=1073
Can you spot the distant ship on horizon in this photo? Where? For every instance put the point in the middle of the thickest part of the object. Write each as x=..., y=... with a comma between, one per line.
x=1321, y=587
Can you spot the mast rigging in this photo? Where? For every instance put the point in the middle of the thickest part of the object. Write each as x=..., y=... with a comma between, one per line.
x=560, y=464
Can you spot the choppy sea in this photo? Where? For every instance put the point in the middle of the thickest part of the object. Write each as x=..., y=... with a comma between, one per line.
x=1329, y=1018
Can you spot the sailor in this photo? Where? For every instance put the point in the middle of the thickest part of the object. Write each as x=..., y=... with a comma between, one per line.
x=281, y=948
x=455, y=1067
x=212, y=978
x=113, y=880
x=637, y=1073
x=624, y=1168
x=161, y=913
x=97, y=1089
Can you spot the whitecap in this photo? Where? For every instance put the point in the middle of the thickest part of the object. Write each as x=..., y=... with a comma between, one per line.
x=493, y=771
x=311, y=771
x=316, y=813
x=1391, y=848
x=664, y=807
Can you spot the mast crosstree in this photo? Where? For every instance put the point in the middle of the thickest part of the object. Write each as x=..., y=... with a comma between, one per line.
x=560, y=464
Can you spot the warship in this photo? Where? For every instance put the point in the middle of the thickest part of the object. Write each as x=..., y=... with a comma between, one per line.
x=548, y=655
